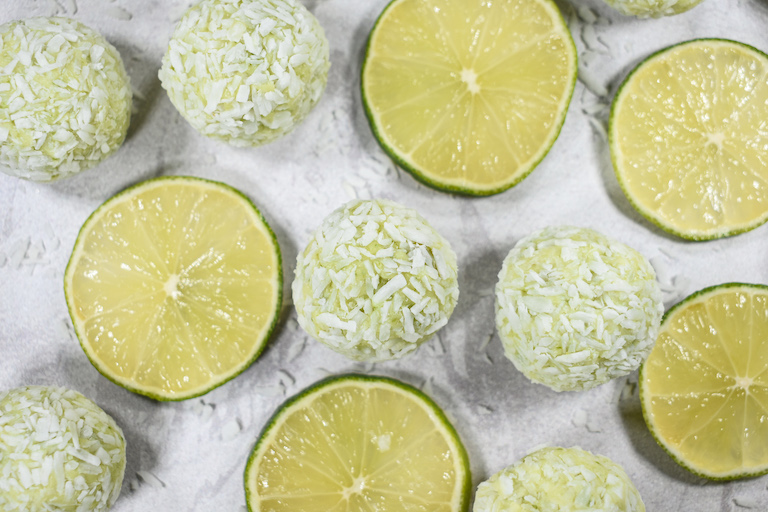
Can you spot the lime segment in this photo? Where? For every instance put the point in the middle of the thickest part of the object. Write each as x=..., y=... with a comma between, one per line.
x=354, y=443
x=174, y=286
x=468, y=96
x=688, y=140
x=704, y=389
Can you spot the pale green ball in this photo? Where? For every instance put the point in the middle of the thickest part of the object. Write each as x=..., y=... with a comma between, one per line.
x=575, y=308
x=65, y=98
x=58, y=451
x=559, y=480
x=246, y=72
x=375, y=281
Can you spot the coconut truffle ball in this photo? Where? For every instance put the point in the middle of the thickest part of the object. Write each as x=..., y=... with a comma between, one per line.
x=652, y=8
x=65, y=99
x=58, y=451
x=246, y=72
x=575, y=309
x=559, y=479
x=375, y=281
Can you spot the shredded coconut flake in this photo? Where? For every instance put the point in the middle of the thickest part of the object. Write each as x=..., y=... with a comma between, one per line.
x=746, y=502
x=383, y=442
x=295, y=350
x=575, y=309
x=586, y=14
x=150, y=479
x=580, y=418
x=230, y=430
x=375, y=281
x=246, y=71
x=592, y=83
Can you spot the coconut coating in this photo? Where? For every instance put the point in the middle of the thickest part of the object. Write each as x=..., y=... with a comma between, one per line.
x=575, y=309
x=375, y=281
x=559, y=480
x=652, y=8
x=65, y=98
x=58, y=451
x=246, y=72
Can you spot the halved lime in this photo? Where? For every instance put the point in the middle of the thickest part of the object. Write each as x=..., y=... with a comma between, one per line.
x=355, y=443
x=688, y=138
x=468, y=95
x=704, y=387
x=174, y=286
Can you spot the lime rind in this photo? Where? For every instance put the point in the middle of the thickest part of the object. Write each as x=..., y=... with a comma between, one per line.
x=705, y=291
x=267, y=333
x=286, y=408
x=652, y=8
x=420, y=175
x=695, y=297
x=694, y=236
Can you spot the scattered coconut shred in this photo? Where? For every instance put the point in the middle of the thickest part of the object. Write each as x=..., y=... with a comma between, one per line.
x=375, y=281
x=246, y=71
x=560, y=479
x=575, y=309
x=66, y=98
x=58, y=451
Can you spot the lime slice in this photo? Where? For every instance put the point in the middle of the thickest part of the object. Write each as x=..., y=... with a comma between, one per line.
x=468, y=95
x=355, y=443
x=688, y=139
x=704, y=387
x=653, y=8
x=174, y=286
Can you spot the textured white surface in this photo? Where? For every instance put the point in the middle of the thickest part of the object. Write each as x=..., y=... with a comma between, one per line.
x=188, y=456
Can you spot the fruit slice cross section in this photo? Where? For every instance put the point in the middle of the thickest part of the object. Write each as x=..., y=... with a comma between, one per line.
x=689, y=138
x=468, y=95
x=704, y=387
x=174, y=286
x=354, y=443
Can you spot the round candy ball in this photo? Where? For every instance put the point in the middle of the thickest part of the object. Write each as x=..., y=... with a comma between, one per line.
x=575, y=309
x=552, y=479
x=246, y=72
x=375, y=281
x=652, y=8
x=65, y=96
x=59, y=451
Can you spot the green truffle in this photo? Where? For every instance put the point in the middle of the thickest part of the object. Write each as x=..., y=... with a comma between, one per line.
x=65, y=98
x=375, y=281
x=575, y=309
x=559, y=480
x=246, y=72
x=58, y=451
